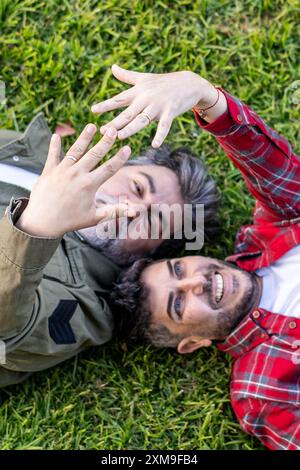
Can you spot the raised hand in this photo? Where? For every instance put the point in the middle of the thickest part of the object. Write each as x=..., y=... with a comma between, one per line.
x=63, y=199
x=153, y=97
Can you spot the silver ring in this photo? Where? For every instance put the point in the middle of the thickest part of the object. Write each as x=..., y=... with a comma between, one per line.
x=147, y=116
x=72, y=158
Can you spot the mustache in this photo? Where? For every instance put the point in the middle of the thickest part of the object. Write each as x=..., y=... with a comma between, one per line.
x=207, y=289
x=211, y=270
x=102, y=198
x=208, y=285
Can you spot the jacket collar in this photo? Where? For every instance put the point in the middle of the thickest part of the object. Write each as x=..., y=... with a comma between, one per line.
x=30, y=150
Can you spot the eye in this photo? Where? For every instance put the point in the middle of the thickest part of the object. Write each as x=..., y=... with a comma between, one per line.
x=178, y=305
x=178, y=269
x=138, y=188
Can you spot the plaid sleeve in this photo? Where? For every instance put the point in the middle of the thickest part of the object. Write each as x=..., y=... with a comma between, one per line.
x=269, y=166
x=276, y=425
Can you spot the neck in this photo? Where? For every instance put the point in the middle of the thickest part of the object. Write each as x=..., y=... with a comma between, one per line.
x=258, y=292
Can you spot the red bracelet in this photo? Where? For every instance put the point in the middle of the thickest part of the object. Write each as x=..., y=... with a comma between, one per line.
x=202, y=112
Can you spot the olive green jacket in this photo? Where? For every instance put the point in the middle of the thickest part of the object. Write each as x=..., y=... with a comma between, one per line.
x=52, y=291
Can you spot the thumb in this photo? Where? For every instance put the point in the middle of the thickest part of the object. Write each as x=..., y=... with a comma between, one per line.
x=126, y=76
x=114, y=211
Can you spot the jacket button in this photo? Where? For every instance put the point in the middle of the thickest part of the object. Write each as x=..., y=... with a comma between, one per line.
x=239, y=117
x=16, y=158
x=256, y=314
x=263, y=335
x=292, y=325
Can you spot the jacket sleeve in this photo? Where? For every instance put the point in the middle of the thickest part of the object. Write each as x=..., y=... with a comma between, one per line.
x=22, y=260
x=276, y=425
x=46, y=317
x=266, y=160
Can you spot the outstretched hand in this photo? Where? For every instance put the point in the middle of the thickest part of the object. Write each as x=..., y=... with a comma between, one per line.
x=63, y=198
x=152, y=97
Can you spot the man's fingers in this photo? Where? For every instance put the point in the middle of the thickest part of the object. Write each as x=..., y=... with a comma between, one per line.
x=118, y=101
x=53, y=158
x=109, y=168
x=124, y=98
x=142, y=120
x=114, y=211
x=96, y=153
x=163, y=129
x=78, y=149
x=124, y=118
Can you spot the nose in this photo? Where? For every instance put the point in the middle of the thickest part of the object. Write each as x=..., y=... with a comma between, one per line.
x=140, y=209
x=194, y=283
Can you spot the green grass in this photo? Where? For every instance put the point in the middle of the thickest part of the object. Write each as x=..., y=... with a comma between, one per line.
x=55, y=56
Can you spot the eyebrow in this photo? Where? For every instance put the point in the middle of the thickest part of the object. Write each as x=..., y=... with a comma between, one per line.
x=171, y=295
x=169, y=306
x=170, y=268
x=150, y=181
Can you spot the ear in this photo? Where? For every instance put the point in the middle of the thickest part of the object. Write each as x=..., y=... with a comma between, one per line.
x=191, y=343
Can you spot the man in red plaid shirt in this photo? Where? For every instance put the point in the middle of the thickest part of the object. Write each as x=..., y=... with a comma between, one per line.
x=250, y=304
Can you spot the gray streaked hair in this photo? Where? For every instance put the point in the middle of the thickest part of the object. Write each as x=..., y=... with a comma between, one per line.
x=196, y=187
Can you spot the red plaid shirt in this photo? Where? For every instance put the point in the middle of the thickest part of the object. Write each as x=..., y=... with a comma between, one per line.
x=265, y=381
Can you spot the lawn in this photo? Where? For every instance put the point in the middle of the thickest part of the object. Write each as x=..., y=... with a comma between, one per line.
x=55, y=57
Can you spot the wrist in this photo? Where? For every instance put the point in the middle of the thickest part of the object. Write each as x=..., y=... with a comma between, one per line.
x=207, y=94
x=212, y=103
x=27, y=223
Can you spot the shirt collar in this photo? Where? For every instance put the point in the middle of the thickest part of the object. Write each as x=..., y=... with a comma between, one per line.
x=247, y=335
x=257, y=327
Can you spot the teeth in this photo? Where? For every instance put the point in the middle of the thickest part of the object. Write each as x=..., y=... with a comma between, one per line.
x=220, y=287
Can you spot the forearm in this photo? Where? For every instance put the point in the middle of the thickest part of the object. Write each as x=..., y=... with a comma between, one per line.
x=22, y=260
x=265, y=159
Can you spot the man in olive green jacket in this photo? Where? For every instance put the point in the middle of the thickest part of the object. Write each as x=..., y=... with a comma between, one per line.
x=53, y=288
x=55, y=276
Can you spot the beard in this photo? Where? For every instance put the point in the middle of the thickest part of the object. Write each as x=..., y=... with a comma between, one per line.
x=228, y=319
x=109, y=240
x=111, y=248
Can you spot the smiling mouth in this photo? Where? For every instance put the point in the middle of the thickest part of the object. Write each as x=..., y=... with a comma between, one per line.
x=219, y=291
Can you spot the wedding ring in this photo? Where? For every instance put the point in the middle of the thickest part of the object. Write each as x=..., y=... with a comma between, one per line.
x=72, y=158
x=146, y=115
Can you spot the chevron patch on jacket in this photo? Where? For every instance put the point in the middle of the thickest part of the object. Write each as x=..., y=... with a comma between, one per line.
x=60, y=329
